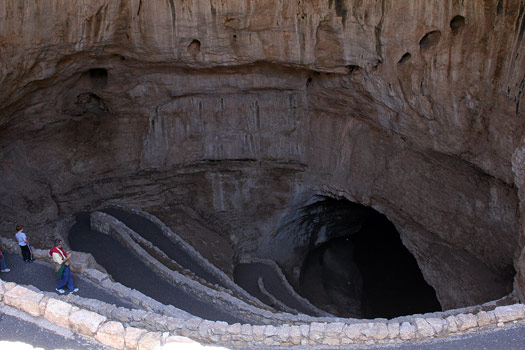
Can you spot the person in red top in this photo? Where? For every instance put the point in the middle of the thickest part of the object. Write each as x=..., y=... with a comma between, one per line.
x=61, y=258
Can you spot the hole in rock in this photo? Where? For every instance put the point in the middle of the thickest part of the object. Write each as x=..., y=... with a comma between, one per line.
x=308, y=82
x=194, y=48
x=499, y=7
x=358, y=266
x=429, y=40
x=98, y=77
x=456, y=24
x=404, y=58
x=352, y=69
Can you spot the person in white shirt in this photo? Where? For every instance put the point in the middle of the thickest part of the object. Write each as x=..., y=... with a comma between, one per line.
x=61, y=258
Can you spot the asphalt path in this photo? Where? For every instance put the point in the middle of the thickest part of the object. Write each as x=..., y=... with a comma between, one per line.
x=151, y=232
x=247, y=276
x=129, y=270
x=15, y=329
x=42, y=275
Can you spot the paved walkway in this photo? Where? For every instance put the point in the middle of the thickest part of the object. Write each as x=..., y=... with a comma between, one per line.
x=16, y=326
x=43, y=276
x=151, y=232
x=129, y=270
x=247, y=276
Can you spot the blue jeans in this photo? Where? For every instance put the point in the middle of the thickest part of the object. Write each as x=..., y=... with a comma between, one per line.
x=67, y=278
x=2, y=263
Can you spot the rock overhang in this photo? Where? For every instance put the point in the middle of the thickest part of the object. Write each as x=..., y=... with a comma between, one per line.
x=265, y=105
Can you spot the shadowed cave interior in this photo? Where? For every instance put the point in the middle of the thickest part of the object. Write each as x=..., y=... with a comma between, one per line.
x=357, y=265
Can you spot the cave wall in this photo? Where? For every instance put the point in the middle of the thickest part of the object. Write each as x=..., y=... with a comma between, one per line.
x=243, y=113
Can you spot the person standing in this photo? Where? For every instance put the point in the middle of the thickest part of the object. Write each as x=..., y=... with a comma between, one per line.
x=61, y=258
x=3, y=267
x=21, y=237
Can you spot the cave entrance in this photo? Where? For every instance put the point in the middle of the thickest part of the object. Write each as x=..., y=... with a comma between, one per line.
x=357, y=266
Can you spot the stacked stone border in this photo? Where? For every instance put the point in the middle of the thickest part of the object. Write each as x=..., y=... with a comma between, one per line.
x=177, y=239
x=153, y=324
x=140, y=329
x=284, y=281
x=109, y=225
x=256, y=311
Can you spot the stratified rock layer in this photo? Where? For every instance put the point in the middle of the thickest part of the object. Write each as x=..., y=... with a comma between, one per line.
x=238, y=114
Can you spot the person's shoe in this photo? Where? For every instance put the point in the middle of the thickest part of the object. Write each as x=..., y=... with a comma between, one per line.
x=60, y=291
x=74, y=290
x=31, y=260
x=5, y=270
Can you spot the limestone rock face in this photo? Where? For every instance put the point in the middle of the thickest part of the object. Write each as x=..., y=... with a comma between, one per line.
x=237, y=114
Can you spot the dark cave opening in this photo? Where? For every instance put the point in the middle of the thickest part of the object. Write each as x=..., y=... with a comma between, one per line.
x=357, y=266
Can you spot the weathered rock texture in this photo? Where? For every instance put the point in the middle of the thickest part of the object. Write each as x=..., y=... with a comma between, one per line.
x=240, y=113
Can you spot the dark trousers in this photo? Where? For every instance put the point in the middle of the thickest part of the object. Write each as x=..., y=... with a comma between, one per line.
x=26, y=254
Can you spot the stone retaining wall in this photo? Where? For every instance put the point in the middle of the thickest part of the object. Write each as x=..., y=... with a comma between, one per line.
x=108, y=224
x=177, y=239
x=141, y=329
x=153, y=324
x=279, y=273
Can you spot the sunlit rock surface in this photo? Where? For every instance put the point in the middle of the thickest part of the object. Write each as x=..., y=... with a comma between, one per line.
x=227, y=118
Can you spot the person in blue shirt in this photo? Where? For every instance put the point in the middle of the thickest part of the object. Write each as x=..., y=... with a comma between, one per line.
x=23, y=243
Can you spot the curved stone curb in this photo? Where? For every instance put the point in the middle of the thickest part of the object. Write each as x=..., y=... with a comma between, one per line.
x=145, y=329
x=97, y=223
x=116, y=334
x=266, y=316
x=212, y=269
x=279, y=273
x=274, y=300
x=110, y=225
